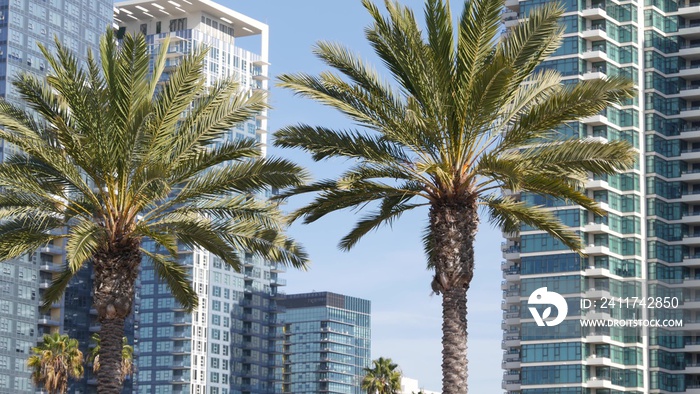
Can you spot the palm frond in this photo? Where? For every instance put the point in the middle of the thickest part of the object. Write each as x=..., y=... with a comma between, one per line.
x=508, y=215
x=177, y=279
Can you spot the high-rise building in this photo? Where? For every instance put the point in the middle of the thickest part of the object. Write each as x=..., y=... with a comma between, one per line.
x=228, y=345
x=327, y=341
x=648, y=245
x=78, y=24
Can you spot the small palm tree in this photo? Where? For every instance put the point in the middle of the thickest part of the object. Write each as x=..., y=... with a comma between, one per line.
x=54, y=361
x=383, y=378
x=127, y=368
x=470, y=113
x=118, y=154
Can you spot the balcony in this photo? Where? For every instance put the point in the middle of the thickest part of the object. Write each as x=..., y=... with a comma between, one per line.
x=50, y=267
x=597, y=184
x=689, y=92
x=595, y=55
x=691, y=239
x=512, y=296
x=691, y=218
x=511, y=19
x=594, y=228
x=593, y=250
x=513, y=5
x=510, y=364
x=691, y=196
x=593, y=74
x=690, y=175
x=512, y=274
x=689, y=31
x=181, y=349
x=597, y=293
x=690, y=52
x=689, y=10
x=594, y=12
x=690, y=134
x=690, y=154
x=595, y=34
x=510, y=340
x=511, y=252
x=511, y=318
x=690, y=260
x=599, y=383
x=597, y=120
x=594, y=360
x=52, y=250
x=278, y=282
x=690, y=304
x=597, y=272
x=597, y=337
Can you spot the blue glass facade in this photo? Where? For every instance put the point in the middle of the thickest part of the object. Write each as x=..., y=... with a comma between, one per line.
x=601, y=39
x=78, y=24
x=327, y=341
x=229, y=344
x=649, y=243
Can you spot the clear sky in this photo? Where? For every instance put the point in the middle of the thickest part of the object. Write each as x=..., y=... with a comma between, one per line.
x=388, y=267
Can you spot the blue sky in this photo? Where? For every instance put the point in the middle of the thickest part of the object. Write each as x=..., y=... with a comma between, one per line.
x=388, y=267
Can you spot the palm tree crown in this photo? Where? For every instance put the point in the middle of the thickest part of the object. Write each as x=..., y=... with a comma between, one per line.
x=470, y=113
x=54, y=361
x=119, y=152
x=383, y=378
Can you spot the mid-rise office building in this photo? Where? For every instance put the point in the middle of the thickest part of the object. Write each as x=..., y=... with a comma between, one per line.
x=78, y=24
x=327, y=341
x=228, y=345
x=648, y=245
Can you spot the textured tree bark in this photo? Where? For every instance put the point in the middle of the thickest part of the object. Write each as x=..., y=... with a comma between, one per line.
x=453, y=226
x=116, y=270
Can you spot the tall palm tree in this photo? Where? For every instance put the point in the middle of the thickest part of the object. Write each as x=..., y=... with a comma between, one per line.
x=54, y=361
x=383, y=378
x=127, y=367
x=119, y=154
x=469, y=113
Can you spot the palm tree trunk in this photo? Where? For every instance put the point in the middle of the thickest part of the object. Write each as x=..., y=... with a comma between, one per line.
x=454, y=341
x=453, y=227
x=116, y=271
x=108, y=377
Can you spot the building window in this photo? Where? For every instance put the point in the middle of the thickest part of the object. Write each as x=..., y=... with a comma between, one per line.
x=178, y=24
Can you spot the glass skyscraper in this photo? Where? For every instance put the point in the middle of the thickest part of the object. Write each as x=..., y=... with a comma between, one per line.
x=78, y=24
x=327, y=341
x=228, y=345
x=648, y=245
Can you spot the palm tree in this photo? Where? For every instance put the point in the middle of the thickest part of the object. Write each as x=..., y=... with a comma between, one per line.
x=127, y=367
x=470, y=114
x=119, y=154
x=54, y=361
x=383, y=378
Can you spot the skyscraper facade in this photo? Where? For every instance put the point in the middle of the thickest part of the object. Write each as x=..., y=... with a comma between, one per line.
x=647, y=248
x=327, y=341
x=228, y=344
x=77, y=24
